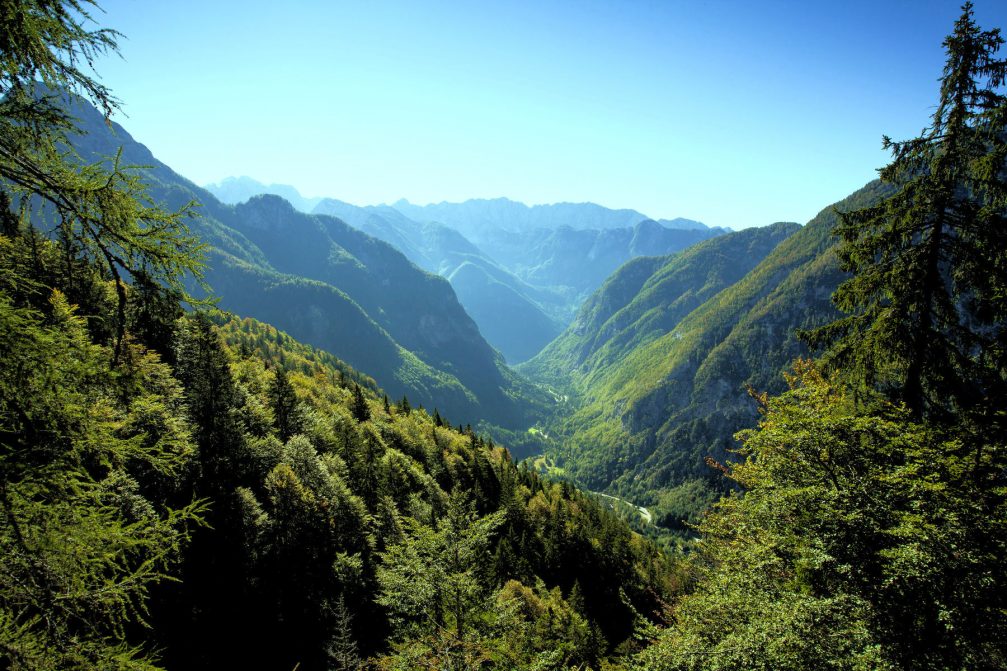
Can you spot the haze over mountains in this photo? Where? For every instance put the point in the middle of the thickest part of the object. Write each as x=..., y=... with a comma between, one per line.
x=339, y=289
x=520, y=271
x=650, y=334
x=650, y=347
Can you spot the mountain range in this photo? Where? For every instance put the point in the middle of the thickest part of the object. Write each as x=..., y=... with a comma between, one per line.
x=650, y=374
x=520, y=271
x=336, y=288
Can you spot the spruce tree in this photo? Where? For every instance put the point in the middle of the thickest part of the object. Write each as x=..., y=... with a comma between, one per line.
x=361, y=411
x=927, y=301
x=286, y=411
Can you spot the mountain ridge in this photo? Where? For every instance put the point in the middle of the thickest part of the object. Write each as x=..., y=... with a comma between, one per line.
x=324, y=294
x=662, y=390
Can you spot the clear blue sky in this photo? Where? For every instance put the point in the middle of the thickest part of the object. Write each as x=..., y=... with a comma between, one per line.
x=734, y=113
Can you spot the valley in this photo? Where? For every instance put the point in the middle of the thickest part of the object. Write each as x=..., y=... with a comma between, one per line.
x=241, y=427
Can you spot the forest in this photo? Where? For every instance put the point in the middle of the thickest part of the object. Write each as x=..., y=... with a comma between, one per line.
x=183, y=487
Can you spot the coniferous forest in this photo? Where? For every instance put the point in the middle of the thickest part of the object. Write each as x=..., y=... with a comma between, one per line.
x=815, y=418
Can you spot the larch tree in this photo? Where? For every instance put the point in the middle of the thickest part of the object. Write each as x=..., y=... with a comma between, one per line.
x=83, y=534
x=100, y=211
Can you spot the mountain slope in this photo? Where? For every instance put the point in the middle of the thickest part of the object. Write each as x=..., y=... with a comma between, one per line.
x=663, y=390
x=337, y=289
x=506, y=315
x=496, y=299
x=648, y=296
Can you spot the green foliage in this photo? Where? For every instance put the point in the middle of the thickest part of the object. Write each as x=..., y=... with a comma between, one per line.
x=863, y=540
x=286, y=411
x=361, y=410
x=926, y=304
x=403, y=521
x=82, y=538
x=99, y=210
x=89, y=454
x=431, y=582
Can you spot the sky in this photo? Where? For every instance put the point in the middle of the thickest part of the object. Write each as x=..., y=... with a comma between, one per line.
x=736, y=114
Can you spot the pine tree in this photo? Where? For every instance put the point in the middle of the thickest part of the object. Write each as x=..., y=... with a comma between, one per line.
x=342, y=649
x=927, y=301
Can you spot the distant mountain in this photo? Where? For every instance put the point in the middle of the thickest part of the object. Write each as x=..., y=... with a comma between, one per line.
x=532, y=267
x=658, y=360
x=234, y=190
x=475, y=217
x=338, y=289
x=521, y=285
x=686, y=224
x=512, y=315
x=577, y=261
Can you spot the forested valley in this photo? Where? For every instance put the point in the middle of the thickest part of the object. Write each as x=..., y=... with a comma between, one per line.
x=813, y=415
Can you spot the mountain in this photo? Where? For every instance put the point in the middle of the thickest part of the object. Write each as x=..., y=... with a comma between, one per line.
x=520, y=284
x=648, y=296
x=234, y=190
x=658, y=361
x=686, y=224
x=533, y=266
x=566, y=249
x=512, y=315
x=473, y=217
x=338, y=289
x=575, y=262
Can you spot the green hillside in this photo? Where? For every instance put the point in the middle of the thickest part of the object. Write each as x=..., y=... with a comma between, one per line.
x=657, y=363
x=336, y=288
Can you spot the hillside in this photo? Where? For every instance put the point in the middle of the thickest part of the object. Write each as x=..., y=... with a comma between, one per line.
x=658, y=361
x=339, y=289
x=233, y=488
x=496, y=299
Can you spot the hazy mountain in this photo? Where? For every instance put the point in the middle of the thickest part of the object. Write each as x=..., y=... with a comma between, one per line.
x=512, y=315
x=475, y=217
x=679, y=222
x=577, y=261
x=533, y=266
x=334, y=287
x=658, y=360
x=234, y=190
x=520, y=284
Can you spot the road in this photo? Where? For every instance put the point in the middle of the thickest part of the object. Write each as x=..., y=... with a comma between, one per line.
x=644, y=513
